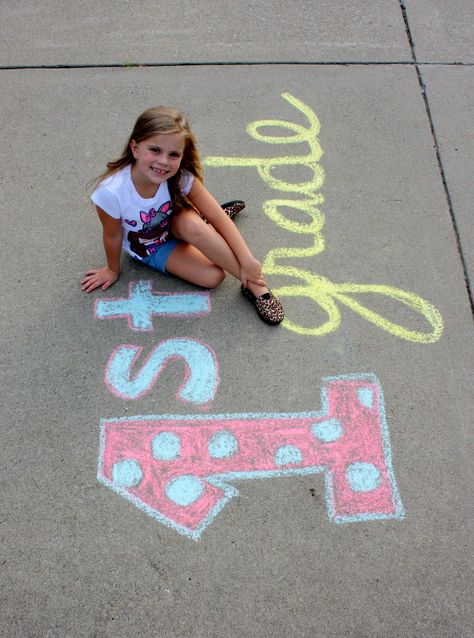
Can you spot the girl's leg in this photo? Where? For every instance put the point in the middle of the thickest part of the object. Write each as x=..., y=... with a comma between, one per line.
x=188, y=226
x=188, y=263
x=204, y=257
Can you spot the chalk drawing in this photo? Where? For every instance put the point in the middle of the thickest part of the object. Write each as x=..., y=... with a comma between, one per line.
x=142, y=303
x=201, y=379
x=177, y=468
x=314, y=287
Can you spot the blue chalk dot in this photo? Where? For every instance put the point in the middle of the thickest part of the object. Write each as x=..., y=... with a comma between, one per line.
x=222, y=445
x=185, y=489
x=327, y=431
x=166, y=446
x=363, y=477
x=288, y=455
x=127, y=473
x=366, y=397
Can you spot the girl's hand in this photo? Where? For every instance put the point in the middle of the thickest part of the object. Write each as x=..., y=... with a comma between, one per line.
x=251, y=271
x=103, y=277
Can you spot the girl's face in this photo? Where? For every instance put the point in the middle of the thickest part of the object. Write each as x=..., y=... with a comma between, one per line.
x=156, y=159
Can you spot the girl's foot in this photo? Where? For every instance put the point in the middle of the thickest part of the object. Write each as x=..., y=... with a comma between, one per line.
x=232, y=208
x=268, y=308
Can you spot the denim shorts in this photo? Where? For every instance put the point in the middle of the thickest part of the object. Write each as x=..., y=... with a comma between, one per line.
x=159, y=258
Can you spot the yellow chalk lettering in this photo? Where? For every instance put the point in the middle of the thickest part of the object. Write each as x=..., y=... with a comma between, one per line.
x=319, y=290
x=309, y=207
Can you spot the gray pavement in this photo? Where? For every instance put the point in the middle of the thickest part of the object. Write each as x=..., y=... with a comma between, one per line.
x=360, y=522
x=96, y=33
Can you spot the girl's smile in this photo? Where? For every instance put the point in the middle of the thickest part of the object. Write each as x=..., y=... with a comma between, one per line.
x=156, y=159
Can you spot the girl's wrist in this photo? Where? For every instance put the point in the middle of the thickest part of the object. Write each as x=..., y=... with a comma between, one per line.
x=248, y=261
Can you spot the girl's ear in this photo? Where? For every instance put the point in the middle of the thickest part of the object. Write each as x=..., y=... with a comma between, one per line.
x=133, y=147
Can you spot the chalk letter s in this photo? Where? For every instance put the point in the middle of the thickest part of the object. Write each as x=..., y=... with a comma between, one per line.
x=201, y=379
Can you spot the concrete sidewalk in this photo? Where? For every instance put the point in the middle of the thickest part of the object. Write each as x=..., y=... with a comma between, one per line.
x=131, y=504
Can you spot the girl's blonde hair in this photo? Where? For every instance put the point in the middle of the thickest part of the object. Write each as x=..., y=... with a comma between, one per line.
x=160, y=120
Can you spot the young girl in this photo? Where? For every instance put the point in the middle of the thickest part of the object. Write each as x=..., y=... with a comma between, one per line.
x=153, y=204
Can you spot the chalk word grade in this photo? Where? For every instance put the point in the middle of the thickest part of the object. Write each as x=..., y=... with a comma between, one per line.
x=318, y=289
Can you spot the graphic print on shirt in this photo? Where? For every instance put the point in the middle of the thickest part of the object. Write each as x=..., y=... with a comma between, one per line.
x=154, y=230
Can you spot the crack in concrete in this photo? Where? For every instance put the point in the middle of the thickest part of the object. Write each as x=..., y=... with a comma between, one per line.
x=426, y=101
x=135, y=65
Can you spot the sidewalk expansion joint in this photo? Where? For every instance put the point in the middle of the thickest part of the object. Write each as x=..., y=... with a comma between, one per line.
x=140, y=65
x=426, y=101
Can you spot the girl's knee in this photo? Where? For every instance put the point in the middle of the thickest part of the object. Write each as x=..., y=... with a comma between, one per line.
x=188, y=226
x=214, y=277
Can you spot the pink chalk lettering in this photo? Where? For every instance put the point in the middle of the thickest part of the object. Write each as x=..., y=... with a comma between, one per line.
x=178, y=468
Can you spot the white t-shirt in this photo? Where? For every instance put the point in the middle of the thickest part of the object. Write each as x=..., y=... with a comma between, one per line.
x=145, y=221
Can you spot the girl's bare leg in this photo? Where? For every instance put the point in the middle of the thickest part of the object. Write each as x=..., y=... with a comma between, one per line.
x=188, y=263
x=210, y=253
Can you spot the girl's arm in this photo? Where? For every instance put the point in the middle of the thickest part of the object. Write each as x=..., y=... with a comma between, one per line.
x=201, y=198
x=112, y=237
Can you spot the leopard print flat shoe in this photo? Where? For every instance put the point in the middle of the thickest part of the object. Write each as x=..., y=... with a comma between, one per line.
x=268, y=308
x=232, y=208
